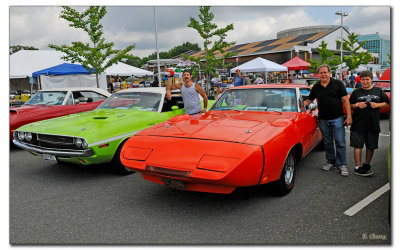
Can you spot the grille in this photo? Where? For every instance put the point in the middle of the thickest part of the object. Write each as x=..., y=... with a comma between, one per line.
x=168, y=172
x=55, y=139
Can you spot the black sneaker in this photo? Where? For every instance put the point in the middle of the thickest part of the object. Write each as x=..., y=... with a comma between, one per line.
x=365, y=170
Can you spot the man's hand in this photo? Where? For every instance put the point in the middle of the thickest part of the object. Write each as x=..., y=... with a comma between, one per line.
x=348, y=121
x=203, y=111
x=169, y=95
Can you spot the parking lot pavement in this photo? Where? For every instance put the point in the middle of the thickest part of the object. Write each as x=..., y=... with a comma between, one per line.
x=70, y=204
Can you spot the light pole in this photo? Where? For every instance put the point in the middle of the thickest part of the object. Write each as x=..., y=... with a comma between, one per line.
x=341, y=14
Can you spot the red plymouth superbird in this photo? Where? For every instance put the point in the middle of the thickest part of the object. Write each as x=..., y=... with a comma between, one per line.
x=252, y=135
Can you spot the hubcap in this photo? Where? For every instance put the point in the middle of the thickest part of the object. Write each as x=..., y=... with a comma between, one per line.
x=289, y=169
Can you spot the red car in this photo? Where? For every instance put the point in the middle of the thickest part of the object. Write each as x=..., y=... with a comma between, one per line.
x=46, y=104
x=252, y=135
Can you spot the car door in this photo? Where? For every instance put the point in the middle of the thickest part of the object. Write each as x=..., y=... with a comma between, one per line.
x=307, y=123
x=69, y=107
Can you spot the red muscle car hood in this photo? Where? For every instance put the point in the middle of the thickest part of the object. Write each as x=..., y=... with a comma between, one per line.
x=25, y=108
x=231, y=126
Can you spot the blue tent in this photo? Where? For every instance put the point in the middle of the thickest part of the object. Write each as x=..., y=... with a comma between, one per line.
x=63, y=69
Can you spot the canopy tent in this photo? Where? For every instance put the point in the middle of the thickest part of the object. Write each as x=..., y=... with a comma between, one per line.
x=69, y=75
x=63, y=69
x=296, y=63
x=386, y=75
x=122, y=69
x=303, y=71
x=259, y=65
x=24, y=62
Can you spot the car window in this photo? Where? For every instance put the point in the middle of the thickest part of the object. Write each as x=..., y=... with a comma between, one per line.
x=260, y=99
x=133, y=100
x=47, y=98
x=88, y=96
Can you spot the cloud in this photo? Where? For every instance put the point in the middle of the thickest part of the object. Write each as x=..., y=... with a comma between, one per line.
x=367, y=20
x=125, y=25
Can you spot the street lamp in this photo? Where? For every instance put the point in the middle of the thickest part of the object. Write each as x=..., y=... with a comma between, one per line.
x=341, y=14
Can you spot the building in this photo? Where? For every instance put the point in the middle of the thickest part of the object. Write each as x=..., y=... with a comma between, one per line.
x=377, y=43
x=301, y=42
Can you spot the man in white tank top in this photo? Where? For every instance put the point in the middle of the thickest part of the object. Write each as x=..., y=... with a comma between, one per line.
x=190, y=94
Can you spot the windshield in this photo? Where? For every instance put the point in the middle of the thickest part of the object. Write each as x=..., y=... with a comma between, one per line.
x=47, y=98
x=133, y=100
x=261, y=99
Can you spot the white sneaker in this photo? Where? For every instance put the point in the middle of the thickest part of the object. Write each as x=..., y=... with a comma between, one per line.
x=328, y=167
x=344, y=171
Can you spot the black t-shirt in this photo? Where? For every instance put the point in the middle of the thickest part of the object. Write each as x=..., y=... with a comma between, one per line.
x=367, y=119
x=329, y=99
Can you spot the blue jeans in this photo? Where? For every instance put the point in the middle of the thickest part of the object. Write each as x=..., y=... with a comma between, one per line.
x=333, y=134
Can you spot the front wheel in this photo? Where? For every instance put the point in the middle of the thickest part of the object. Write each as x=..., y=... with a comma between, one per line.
x=286, y=181
x=117, y=164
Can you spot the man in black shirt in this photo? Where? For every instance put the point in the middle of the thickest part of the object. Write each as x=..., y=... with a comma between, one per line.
x=331, y=95
x=366, y=102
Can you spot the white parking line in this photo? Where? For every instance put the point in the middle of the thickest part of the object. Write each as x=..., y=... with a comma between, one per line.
x=357, y=207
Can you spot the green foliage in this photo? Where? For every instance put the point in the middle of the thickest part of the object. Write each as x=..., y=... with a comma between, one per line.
x=175, y=51
x=355, y=59
x=214, y=41
x=98, y=54
x=326, y=57
x=17, y=48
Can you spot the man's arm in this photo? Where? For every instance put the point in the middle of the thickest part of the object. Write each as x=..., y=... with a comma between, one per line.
x=347, y=106
x=307, y=102
x=200, y=90
x=172, y=87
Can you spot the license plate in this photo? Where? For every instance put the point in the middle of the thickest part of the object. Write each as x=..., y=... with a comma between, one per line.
x=48, y=157
x=174, y=183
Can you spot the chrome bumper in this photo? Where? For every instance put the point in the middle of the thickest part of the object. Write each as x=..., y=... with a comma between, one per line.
x=55, y=152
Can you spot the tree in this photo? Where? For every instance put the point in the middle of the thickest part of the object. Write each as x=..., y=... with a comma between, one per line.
x=98, y=55
x=326, y=57
x=355, y=59
x=17, y=48
x=211, y=33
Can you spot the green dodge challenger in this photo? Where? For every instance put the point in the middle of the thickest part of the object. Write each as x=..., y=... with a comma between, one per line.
x=97, y=136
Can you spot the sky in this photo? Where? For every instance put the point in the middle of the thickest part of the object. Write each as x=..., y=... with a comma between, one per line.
x=39, y=26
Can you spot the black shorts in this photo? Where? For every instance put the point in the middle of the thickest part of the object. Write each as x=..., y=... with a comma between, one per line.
x=370, y=139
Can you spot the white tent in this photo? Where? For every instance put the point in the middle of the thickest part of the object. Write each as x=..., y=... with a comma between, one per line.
x=259, y=65
x=24, y=62
x=123, y=69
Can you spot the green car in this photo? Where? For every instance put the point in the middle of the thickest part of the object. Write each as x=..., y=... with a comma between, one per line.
x=97, y=136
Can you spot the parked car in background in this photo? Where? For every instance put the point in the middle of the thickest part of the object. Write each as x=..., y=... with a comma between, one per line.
x=98, y=135
x=252, y=135
x=46, y=104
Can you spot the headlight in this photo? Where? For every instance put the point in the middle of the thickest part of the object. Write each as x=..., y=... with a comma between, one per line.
x=84, y=144
x=21, y=136
x=28, y=136
x=78, y=142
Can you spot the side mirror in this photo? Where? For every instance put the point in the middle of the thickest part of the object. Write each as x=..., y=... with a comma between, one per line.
x=76, y=101
x=174, y=108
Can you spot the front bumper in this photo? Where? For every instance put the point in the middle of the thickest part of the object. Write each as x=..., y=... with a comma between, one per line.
x=56, y=152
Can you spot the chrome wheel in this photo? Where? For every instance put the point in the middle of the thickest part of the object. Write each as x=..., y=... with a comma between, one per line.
x=289, y=169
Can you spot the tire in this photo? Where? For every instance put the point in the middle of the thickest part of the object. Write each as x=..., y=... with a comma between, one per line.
x=286, y=181
x=116, y=162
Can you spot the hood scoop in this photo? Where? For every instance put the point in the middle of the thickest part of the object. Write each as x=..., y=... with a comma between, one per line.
x=100, y=118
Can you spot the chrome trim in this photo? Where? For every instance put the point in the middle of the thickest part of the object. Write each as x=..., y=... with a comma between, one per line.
x=55, y=152
x=112, y=139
